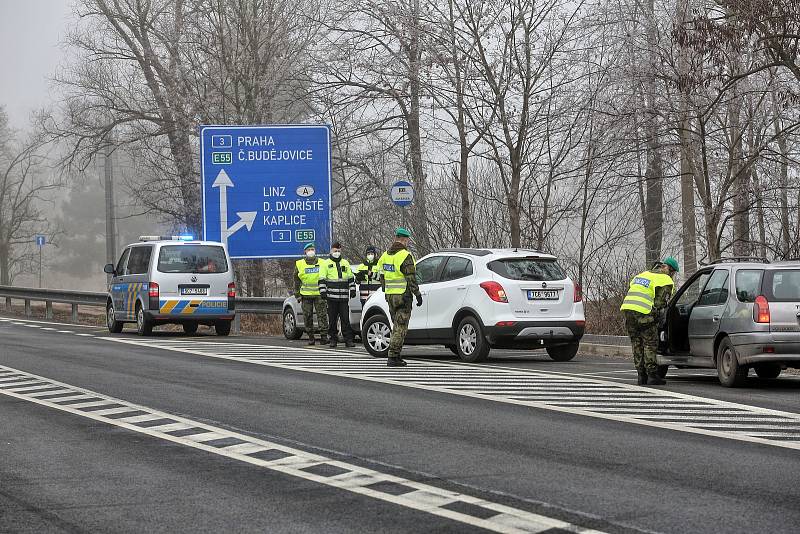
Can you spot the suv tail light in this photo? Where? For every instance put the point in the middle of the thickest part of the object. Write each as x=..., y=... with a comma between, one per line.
x=761, y=310
x=153, y=303
x=495, y=291
x=578, y=293
x=231, y=290
x=152, y=290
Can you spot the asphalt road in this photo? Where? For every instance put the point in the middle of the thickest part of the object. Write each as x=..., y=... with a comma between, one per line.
x=62, y=472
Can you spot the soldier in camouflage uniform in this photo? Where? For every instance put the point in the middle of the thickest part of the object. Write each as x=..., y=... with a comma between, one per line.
x=399, y=280
x=644, y=308
x=307, y=292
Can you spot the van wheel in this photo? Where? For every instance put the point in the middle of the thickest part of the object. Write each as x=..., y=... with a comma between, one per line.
x=563, y=353
x=144, y=326
x=767, y=370
x=223, y=328
x=730, y=373
x=114, y=326
x=377, y=334
x=290, y=330
x=471, y=344
x=190, y=328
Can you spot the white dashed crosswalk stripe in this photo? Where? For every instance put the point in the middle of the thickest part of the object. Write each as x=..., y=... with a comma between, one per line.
x=581, y=395
x=464, y=508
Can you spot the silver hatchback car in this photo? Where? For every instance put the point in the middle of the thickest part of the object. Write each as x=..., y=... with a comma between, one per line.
x=733, y=315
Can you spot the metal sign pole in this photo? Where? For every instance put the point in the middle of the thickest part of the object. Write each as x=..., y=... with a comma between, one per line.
x=40, y=267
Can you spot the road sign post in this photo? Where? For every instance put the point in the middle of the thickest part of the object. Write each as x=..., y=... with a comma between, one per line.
x=266, y=189
x=40, y=242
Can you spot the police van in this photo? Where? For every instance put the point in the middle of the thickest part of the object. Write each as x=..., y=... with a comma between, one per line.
x=171, y=280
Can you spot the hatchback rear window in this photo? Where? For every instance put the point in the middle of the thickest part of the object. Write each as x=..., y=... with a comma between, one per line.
x=192, y=259
x=783, y=285
x=535, y=269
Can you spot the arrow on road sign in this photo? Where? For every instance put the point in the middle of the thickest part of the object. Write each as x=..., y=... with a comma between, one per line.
x=246, y=218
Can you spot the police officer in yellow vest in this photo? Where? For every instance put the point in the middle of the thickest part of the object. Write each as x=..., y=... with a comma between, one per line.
x=307, y=292
x=643, y=307
x=399, y=278
x=338, y=285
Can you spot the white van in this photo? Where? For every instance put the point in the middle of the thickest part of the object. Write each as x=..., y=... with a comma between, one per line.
x=171, y=280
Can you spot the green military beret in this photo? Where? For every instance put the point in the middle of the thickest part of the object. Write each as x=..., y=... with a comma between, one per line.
x=308, y=246
x=402, y=232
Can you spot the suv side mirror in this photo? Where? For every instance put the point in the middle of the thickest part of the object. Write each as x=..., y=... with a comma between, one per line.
x=109, y=269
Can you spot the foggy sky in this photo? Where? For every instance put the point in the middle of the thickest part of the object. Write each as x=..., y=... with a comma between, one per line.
x=31, y=32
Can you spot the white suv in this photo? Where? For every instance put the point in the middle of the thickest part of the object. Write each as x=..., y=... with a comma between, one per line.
x=478, y=299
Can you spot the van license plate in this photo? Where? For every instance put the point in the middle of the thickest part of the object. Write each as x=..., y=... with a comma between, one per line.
x=542, y=294
x=194, y=291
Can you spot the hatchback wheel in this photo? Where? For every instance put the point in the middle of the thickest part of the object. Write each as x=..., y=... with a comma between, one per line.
x=563, y=353
x=144, y=326
x=114, y=326
x=768, y=370
x=471, y=344
x=730, y=373
x=290, y=330
x=376, y=336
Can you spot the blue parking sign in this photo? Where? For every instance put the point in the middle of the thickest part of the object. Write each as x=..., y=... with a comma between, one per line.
x=266, y=189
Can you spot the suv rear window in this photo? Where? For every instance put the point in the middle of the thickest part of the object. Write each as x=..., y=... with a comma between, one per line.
x=192, y=259
x=536, y=269
x=783, y=285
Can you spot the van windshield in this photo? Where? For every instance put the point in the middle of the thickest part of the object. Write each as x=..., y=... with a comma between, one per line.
x=535, y=269
x=783, y=285
x=192, y=259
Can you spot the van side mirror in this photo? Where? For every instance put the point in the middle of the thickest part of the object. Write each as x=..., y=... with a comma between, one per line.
x=109, y=269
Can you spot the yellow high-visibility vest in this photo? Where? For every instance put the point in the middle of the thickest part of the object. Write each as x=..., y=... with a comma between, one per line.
x=389, y=265
x=642, y=291
x=309, y=277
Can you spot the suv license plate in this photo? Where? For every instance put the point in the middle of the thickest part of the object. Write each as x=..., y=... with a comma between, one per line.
x=194, y=291
x=542, y=294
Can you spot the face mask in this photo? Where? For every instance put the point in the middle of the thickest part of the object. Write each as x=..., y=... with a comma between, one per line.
x=336, y=255
x=370, y=257
x=310, y=254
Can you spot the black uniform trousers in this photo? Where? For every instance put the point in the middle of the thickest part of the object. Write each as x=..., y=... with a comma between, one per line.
x=339, y=310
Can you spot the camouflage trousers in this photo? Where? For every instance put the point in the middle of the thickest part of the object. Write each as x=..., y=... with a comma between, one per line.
x=312, y=306
x=400, y=311
x=643, y=331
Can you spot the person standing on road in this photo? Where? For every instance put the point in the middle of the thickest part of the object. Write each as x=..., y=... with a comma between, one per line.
x=644, y=307
x=306, y=291
x=368, y=275
x=337, y=285
x=399, y=279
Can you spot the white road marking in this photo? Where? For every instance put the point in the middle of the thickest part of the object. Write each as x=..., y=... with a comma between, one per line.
x=553, y=391
x=34, y=321
x=430, y=499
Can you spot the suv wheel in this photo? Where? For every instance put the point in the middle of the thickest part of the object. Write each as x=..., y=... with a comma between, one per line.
x=730, y=373
x=144, y=326
x=563, y=353
x=376, y=336
x=471, y=344
x=768, y=370
x=190, y=328
x=290, y=330
x=114, y=326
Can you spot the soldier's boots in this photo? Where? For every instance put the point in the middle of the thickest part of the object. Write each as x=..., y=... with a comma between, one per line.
x=312, y=341
x=642, y=380
x=396, y=362
x=323, y=340
x=349, y=344
x=654, y=380
x=333, y=344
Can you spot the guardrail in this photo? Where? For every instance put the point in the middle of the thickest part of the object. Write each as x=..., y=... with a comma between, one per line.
x=255, y=305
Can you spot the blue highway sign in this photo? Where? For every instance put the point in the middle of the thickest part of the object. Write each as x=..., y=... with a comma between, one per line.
x=266, y=189
x=40, y=240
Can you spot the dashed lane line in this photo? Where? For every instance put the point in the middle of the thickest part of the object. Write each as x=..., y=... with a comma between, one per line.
x=460, y=507
x=579, y=395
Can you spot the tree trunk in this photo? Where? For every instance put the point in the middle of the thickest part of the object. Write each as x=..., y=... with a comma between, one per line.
x=421, y=236
x=5, y=274
x=783, y=188
x=741, y=183
x=689, y=235
x=654, y=174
